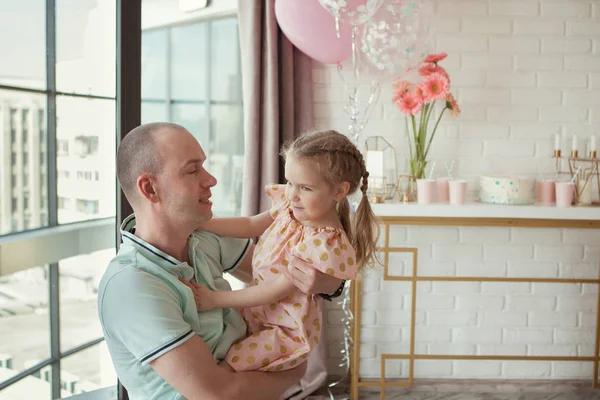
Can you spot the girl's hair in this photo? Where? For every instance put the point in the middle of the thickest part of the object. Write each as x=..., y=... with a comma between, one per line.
x=338, y=159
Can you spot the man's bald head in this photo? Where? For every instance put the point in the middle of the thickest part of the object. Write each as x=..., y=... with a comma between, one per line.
x=138, y=154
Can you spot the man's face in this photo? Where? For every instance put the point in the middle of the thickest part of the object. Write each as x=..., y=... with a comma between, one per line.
x=184, y=184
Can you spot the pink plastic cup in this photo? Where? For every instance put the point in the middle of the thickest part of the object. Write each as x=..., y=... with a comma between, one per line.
x=425, y=189
x=564, y=194
x=443, y=190
x=546, y=192
x=458, y=191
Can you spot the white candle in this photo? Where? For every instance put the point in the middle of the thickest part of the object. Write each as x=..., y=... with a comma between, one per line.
x=593, y=143
x=375, y=163
x=574, y=143
x=557, y=141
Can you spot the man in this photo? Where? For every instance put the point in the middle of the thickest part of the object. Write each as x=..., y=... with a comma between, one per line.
x=160, y=345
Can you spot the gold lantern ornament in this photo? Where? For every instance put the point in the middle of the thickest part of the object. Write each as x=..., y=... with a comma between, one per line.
x=380, y=160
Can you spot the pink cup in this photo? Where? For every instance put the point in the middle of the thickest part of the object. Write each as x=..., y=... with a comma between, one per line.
x=546, y=192
x=564, y=194
x=458, y=191
x=443, y=190
x=425, y=189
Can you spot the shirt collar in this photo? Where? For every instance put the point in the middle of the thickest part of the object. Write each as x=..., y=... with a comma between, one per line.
x=158, y=257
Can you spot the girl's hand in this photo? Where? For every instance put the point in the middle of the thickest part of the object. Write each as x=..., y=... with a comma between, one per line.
x=203, y=296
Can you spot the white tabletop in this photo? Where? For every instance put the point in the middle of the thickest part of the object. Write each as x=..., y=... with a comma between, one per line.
x=481, y=210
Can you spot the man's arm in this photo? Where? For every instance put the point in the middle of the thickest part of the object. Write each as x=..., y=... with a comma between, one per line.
x=191, y=370
x=238, y=227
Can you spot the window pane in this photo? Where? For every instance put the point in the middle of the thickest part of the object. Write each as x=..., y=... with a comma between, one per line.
x=226, y=161
x=154, y=112
x=24, y=322
x=193, y=118
x=154, y=64
x=79, y=278
x=35, y=386
x=189, y=62
x=226, y=79
x=85, y=162
x=23, y=53
x=86, y=46
x=23, y=204
x=87, y=370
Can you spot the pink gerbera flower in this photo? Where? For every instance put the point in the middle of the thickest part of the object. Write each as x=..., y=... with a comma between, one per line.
x=435, y=87
x=435, y=58
x=452, y=105
x=429, y=69
x=400, y=88
x=410, y=104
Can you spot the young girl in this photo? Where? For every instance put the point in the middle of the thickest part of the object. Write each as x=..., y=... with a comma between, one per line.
x=310, y=220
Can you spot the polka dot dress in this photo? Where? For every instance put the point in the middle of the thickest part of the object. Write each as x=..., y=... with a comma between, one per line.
x=282, y=334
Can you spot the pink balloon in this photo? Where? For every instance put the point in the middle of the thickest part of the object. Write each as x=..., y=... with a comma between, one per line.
x=311, y=29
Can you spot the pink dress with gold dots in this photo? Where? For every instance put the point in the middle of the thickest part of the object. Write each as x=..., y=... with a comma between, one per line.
x=280, y=335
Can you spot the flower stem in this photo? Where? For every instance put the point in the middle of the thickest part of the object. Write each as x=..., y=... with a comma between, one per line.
x=434, y=129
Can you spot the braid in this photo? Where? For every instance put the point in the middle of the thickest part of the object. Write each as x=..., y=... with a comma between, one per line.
x=354, y=152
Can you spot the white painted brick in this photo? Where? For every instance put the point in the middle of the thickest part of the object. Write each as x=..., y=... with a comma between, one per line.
x=379, y=334
x=397, y=235
x=527, y=336
x=433, y=369
x=371, y=368
x=480, y=302
x=526, y=370
x=517, y=114
x=579, y=303
x=588, y=288
x=444, y=24
x=514, y=148
x=534, y=27
x=580, y=336
x=477, y=369
x=451, y=318
x=511, y=79
x=531, y=303
x=398, y=317
x=484, y=131
x=587, y=319
x=449, y=252
x=556, y=351
x=571, y=370
x=487, y=62
x=566, y=9
x=535, y=63
x=595, y=115
x=514, y=45
x=582, y=64
x=563, y=114
x=553, y=288
x=429, y=335
x=504, y=319
x=435, y=302
x=526, y=97
x=514, y=8
x=485, y=96
x=585, y=350
x=596, y=7
x=552, y=319
x=378, y=301
x=451, y=148
x=595, y=81
x=562, y=79
x=562, y=45
x=502, y=350
x=583, y=28
x=437, y=269
x=578, y=270
x=486, y=26
x=451, y=43
x=468, y=78
x=476, y=335
x=418, y=235
x=455, y=349
x=559, y=253
x=461, y=8
x=456, y=287
x=577, y=97
x=533, y=131
x=488, y=268
x=505, y=287
x=513, y=252
x=370, y=281
x=532, y=269
x=400, y=348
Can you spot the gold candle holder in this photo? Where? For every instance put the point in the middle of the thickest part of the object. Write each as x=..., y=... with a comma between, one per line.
x=557, y=153
x=593, y=154
x=574, y=153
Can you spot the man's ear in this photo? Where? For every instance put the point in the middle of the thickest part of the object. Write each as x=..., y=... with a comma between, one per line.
x=146, y=186
x=342, y=191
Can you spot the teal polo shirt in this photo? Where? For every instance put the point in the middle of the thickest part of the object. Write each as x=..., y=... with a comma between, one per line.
x=145, y=311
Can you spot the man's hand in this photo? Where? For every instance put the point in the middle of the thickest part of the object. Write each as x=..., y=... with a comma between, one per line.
x=309, y=279
x=203, y=296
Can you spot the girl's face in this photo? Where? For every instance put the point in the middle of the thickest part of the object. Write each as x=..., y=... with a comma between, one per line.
x=311, y=198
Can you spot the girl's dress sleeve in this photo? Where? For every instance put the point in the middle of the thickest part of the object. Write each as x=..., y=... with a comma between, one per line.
x=278, y=201
x=329, y=251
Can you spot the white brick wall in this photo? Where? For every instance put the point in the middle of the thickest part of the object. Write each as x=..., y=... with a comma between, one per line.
x=521, y=70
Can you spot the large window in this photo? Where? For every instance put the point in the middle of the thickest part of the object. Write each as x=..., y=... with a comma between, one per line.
x=191, y=76
x=57, y=193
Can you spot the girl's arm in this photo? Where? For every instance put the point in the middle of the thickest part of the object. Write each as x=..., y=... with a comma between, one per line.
x=239, y=227
x=266, y=293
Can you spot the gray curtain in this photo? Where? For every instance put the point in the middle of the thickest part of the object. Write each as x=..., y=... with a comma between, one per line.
x=277, y=96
